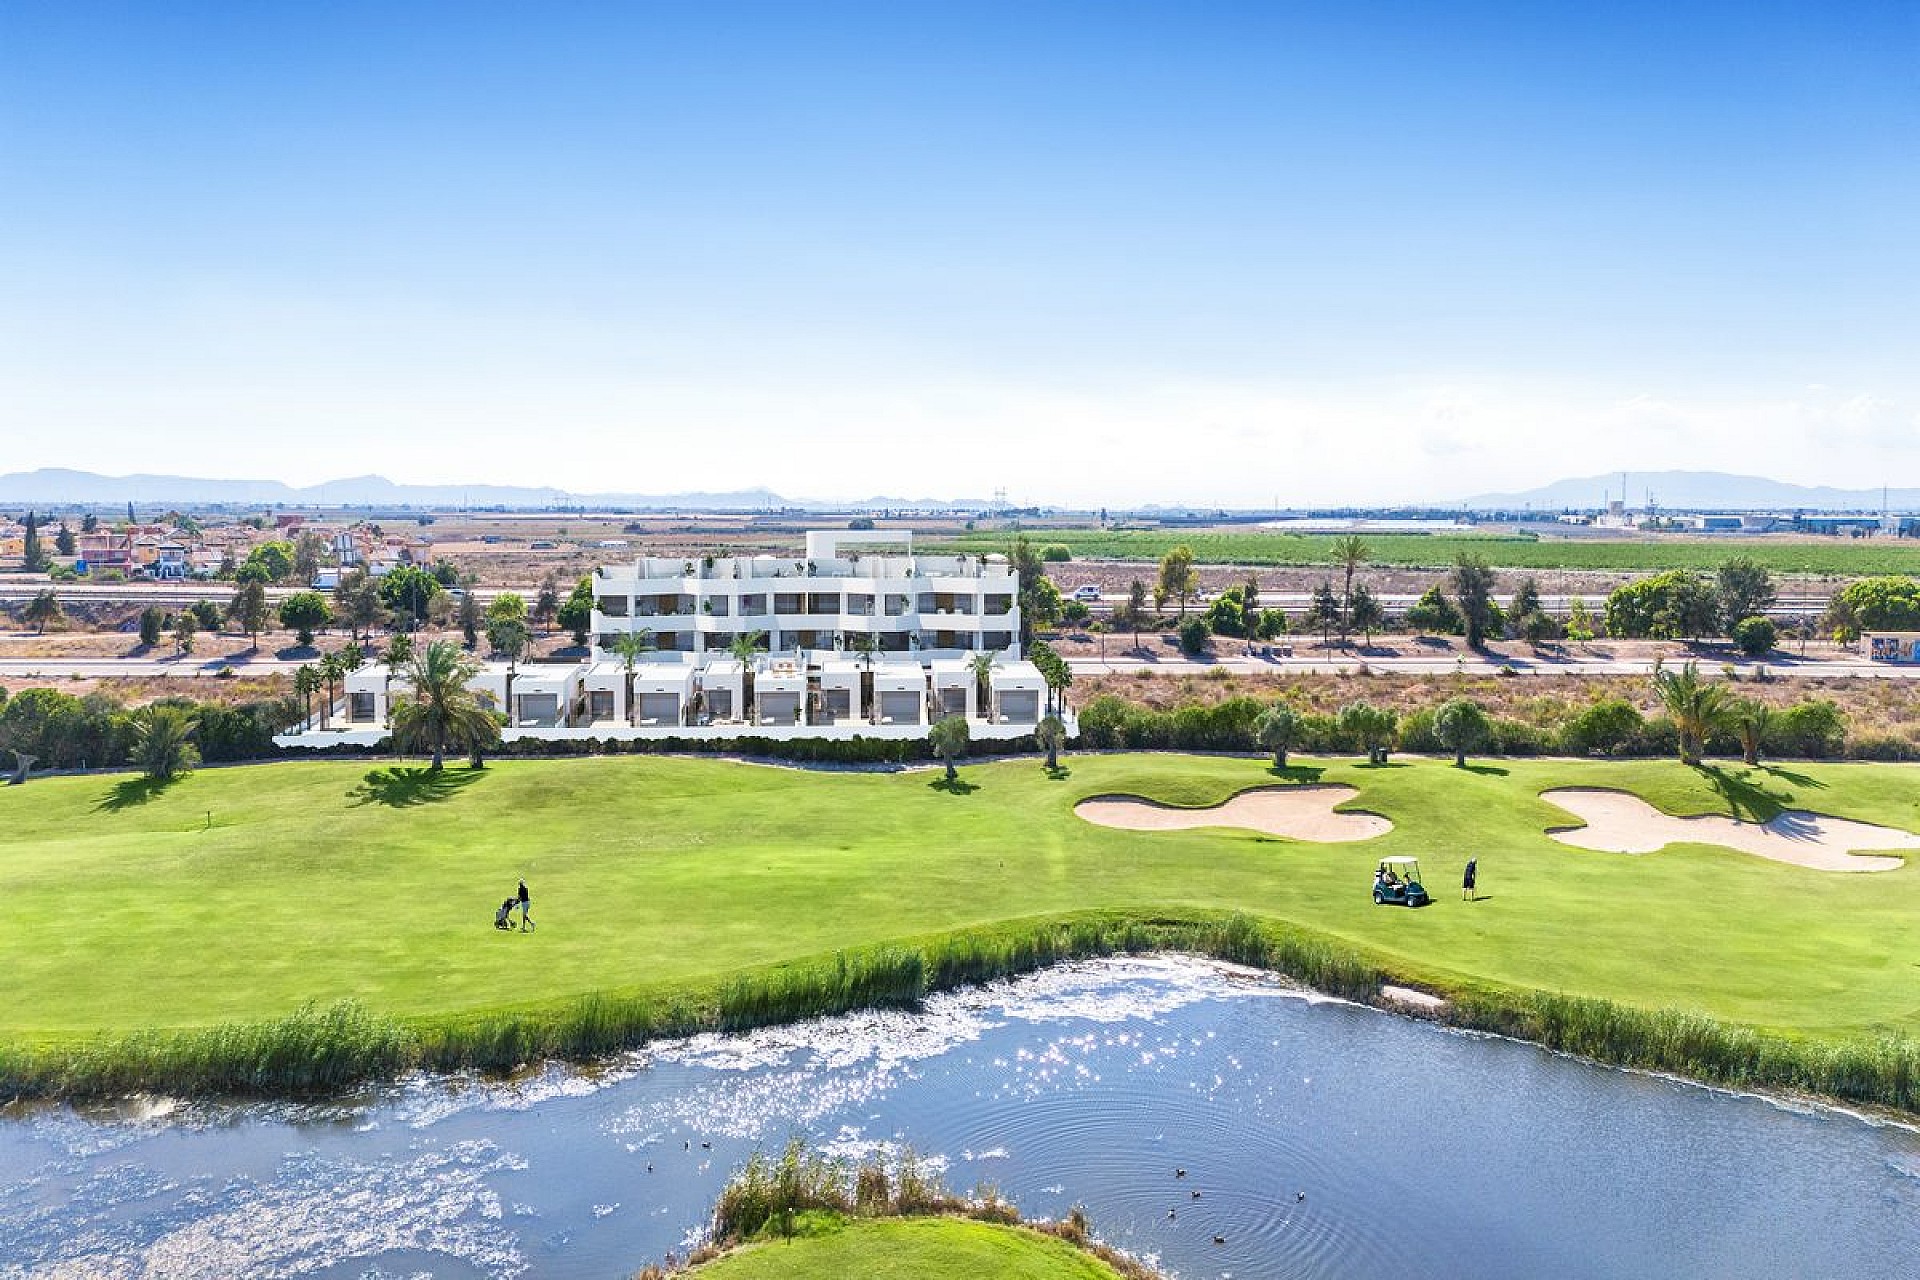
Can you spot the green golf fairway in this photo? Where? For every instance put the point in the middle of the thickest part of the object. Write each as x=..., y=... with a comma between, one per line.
x=912, y=1249
x=322, y=880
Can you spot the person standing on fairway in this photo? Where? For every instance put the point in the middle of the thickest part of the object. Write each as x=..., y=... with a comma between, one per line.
x=526, y=920
x=1467, y=889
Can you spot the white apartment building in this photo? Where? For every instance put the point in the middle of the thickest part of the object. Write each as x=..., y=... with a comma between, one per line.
x=850, y=590
x=859, y=637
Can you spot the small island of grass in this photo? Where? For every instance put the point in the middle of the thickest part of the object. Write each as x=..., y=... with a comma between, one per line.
x=920, y=1248
x=806, y=1216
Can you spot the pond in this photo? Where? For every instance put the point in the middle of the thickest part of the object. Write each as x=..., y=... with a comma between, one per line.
x=1319, y=1139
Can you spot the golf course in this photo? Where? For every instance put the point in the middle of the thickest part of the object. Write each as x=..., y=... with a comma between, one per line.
x=911, y=1249
x=241, y=895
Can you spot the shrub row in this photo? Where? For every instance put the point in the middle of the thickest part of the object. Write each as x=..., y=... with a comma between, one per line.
x=1815, y=729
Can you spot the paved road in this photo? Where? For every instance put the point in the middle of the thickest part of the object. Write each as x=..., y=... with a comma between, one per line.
x=131, y=668
x=1117, y=664
x=1447, y=666
x=176, y=595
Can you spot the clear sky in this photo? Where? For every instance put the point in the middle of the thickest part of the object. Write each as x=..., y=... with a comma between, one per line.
x=1101, y=253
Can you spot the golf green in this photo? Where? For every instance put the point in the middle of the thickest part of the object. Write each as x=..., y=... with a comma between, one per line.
x=242, y=893
x=912, y=1249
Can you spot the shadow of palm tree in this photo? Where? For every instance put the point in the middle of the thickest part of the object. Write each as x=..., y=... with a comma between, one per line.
x=1490, y=770
x=130, y=793
x=1746, y=799
x=956, y=787
x=405, y=786
x=1296, y=772
x=1059, y=773
x=1796, y=778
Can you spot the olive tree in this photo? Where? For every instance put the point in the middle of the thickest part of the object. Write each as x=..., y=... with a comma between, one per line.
x=1462, y=726
x=1276, y=730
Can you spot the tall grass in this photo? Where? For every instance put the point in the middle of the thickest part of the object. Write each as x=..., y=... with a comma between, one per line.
x=321, y=1049
x=771, y=1195
x=316, y=1049
x=891, y=978
x=1884, y=1071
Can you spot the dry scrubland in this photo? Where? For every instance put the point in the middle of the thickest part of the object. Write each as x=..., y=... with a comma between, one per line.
x=1874, y=708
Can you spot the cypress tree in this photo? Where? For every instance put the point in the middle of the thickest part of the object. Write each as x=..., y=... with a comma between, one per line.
x=36, y=555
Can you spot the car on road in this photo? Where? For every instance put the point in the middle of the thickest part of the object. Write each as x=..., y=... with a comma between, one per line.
x=1087, y=593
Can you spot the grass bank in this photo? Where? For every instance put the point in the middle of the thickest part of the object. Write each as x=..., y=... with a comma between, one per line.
x=803, y=1215
x=301, y=926
x=920, y=1248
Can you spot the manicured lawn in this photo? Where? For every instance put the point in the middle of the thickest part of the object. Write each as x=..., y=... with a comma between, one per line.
x=912, y=1249
x=1829, y=557
x=320, y=880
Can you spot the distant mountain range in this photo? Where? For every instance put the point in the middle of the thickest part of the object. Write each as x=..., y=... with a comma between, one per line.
x=1693, y=491
x=1671, y=490
x=53, y=486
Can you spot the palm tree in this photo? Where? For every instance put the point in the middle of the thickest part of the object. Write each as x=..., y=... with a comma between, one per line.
x=866, y=644
x=399, y=653
x=1698, y=709
x=333, y=669
x=949, y=738
x=305, y=682
x=1349, y=553
x=163, y=742
x=441, y=711
x=1051, y=735
x=1750, y=718
x=629, y=647
x=743, y=648
x=982, y=664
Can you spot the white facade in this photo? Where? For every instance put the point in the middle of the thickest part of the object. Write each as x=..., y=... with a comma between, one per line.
x=834, y=598
x=860, y=637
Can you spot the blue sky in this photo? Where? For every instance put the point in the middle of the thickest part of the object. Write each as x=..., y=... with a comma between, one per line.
x=1106, y=253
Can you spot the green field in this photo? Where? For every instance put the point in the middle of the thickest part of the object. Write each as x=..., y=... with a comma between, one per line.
x=321, y=880
x=911, y=1249
x=1834, y=557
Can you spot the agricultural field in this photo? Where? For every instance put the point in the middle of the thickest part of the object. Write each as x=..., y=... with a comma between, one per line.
x=1813, y=557
x=243, y=893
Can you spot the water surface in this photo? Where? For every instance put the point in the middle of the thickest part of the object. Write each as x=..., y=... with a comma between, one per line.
x=1325, y=1140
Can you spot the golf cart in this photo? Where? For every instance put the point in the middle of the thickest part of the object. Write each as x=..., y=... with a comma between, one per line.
x=1398, y=881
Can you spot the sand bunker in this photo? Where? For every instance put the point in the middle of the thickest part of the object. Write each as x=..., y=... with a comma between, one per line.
x=1298, y=813
x=1618, y=822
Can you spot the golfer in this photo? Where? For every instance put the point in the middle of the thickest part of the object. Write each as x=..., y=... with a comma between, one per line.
x=1466, y=882
x=526, y=920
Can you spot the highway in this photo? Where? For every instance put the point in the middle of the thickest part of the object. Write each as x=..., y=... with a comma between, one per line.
x=1170, y=663
x=18, y=590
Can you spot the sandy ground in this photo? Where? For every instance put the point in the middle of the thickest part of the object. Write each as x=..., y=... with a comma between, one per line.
x=1298, y=813
x=1622, y=823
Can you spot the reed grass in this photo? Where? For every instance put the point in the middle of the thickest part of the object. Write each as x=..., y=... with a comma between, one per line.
x=801, y=1192
x=329, y=1048
x=1882, y=1071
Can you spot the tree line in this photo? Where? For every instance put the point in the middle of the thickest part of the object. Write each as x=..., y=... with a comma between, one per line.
x=1697, y=717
